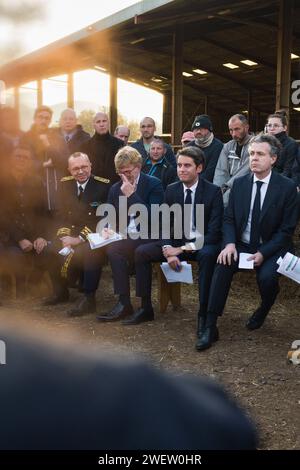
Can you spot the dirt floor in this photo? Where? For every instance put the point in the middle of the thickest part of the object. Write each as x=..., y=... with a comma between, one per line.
x=251, y=365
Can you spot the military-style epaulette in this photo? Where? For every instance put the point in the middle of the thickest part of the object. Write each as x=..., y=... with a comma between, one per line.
x=63, y=232
x=102, y=180
x=67, y=178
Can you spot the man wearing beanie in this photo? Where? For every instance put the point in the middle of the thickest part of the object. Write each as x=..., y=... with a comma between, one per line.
x=204, y=139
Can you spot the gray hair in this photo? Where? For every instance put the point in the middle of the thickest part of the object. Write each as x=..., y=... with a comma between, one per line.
x=275, y=145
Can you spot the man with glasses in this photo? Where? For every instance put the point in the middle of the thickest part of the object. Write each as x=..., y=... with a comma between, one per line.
x=136, y=188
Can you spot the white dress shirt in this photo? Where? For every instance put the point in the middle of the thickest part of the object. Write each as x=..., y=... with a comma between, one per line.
x=263, y=191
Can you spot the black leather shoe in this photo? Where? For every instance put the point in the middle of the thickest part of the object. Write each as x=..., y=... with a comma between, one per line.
x=117, y=313
x=209, y=336
x=85, y=305
x=139, y=316
x=201, y=325
x=57, y=299
x=256, y=320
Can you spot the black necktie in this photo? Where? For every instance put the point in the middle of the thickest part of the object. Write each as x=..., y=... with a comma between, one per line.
x=188, y=196
x=80, y=192
x=188, y=200
x=255, y=232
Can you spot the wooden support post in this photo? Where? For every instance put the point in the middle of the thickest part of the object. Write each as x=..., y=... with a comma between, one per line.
x=177, y=85
x=70, y=85
x=39, y=92
x=284, y=49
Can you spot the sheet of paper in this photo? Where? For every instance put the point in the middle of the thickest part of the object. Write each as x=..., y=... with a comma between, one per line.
x=66, y=251
x=290, y=267
x=243, y=263
x=184, y=275
x=96, y=241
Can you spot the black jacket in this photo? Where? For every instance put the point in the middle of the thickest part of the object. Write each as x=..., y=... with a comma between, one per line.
x=101, y=150
x=149, y=191
x=208, y=194
x=211, y=154
x=79, y=215
x=279, y=213
x=288, y=154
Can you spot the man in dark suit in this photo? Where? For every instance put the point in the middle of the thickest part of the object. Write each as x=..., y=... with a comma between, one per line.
x=191, y=189
x=136, y=188
x=79, y=196
x=260, y=220
x=50, y=401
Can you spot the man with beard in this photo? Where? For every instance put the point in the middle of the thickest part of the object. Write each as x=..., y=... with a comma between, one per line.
x=208, y=143
x=142, y=145
x=234, y=158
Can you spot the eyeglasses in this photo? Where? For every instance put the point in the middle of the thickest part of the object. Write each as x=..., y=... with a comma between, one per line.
x=77, y=169
x=276, y=126
x=126, y=171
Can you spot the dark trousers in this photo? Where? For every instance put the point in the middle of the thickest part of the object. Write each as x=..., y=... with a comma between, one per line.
x=121, y=257
x=266, y=277
x=85, y=264
x=19, y=260
x=145, y=255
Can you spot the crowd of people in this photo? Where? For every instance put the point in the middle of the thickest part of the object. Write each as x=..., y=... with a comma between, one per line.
x=56, y=180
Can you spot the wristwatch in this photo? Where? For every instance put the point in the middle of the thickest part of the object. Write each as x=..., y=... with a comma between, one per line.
x=187, y=248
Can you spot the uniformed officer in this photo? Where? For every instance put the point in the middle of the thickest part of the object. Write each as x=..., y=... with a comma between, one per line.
x=79, y=196
x=27, y=218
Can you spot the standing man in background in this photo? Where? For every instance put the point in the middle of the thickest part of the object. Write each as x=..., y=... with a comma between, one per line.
x=142, y=145
x=234, y=158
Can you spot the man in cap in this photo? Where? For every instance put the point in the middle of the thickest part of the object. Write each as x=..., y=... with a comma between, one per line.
x=187, y=138
x=207, y=142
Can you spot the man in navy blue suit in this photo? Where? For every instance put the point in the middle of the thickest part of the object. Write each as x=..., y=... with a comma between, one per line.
x=190, y=191
x=136, y=188
x=260, y=220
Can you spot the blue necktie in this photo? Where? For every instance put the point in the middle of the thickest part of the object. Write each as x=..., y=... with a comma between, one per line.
x=255, y=232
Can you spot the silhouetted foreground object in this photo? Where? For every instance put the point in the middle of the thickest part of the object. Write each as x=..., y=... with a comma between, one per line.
x=57, y=399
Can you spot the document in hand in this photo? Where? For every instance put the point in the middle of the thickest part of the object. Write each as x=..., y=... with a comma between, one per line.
x=289, y=266
x=184, y=275
x=66, y=251
x=96, y=241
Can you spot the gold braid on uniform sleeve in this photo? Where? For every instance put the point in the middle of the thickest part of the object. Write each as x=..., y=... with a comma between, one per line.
x=63, y=232
x=84, y=232
x=65, y=266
